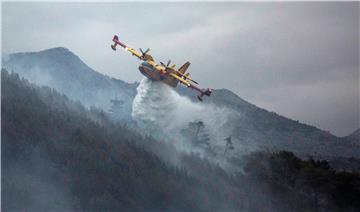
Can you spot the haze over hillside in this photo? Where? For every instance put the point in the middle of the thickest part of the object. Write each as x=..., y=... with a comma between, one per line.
x=251, y=127
x=59, y=156
x=157, y=149
x=61, y=69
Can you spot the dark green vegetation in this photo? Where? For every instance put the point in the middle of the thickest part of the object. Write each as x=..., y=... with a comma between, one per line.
x=57, y=155
x=310, y=180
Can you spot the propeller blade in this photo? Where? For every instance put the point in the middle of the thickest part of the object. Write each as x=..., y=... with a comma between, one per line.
x=194, y=81
x=162, y=64
x=168, y=63
x=141, y=51
x=147, y=50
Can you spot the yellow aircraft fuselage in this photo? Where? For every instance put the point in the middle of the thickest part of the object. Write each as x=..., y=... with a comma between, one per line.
x=155, y=73
x=164, y=73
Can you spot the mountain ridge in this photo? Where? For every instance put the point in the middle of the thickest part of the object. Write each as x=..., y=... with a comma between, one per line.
x=354, y=136
x=62, y=69
x=231, y=97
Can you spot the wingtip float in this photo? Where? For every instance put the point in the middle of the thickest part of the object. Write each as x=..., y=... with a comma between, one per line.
x=163, y=72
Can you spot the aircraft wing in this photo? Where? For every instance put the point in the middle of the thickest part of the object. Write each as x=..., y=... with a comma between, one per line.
x=181, y=80
x=131, y=50
x=174, y=73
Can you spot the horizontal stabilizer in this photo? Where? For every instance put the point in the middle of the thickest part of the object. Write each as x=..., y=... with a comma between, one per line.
x=206, y=92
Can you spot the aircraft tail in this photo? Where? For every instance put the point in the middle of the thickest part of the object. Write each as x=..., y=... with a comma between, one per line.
x=184, y=67
x=206, y=92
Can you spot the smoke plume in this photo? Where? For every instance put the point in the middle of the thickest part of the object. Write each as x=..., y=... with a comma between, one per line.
x=163, y=113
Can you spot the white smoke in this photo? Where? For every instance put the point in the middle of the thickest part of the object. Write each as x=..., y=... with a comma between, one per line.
x=157, y=102
x=161, y=107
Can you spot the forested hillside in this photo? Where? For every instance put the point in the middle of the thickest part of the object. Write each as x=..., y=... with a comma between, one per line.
x=57, y=155
x=255, y=127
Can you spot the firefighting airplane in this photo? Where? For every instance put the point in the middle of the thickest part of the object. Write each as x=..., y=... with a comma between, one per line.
x=165, y=73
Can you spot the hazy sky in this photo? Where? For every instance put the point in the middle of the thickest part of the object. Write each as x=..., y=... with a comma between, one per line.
x=300, y=60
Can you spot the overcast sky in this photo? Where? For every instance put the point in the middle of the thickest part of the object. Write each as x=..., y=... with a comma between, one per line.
x=300, y=60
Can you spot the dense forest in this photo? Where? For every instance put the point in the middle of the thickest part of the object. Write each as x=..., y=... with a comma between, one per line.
x=59, y=155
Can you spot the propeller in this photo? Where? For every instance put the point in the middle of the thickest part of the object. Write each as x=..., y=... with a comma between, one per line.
x=167, y=65
x=144, y=52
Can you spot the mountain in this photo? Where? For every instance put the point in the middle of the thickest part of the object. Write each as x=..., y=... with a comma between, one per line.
x=57, y=155
x=354, y=137
x=250, y=126
x=268, y=130
x=61, y=69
